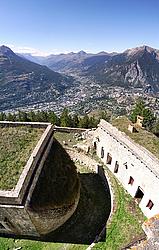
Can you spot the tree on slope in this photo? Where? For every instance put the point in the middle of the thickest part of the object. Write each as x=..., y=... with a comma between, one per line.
x=65, y=119
x=140, y=109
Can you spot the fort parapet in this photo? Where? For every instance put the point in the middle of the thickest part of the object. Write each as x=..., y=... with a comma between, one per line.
x=16, y=195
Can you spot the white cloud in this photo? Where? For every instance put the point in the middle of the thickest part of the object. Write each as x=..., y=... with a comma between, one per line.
x=34, y=52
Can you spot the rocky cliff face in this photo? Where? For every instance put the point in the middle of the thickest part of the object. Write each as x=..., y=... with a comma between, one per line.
x=137, y=67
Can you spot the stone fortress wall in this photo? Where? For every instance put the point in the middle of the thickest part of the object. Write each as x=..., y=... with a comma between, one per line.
x=16, y=215
x=135, y=167
x=69, y=129
x=16, y=195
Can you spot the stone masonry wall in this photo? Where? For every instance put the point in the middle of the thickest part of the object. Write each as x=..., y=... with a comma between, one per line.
x=15, y=219
x=18, y=221
x=16, y=196
x=135, y=167
x=69, y=130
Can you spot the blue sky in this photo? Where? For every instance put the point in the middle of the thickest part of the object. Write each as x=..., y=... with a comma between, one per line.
x=55, y=26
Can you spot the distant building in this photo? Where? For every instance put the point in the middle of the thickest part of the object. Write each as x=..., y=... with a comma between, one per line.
x=131, y=128
x=139, y=121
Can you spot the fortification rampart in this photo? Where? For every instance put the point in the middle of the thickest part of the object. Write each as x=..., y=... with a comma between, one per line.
x=19, y=212
x=146, y=156
x=16, y=196
x=135, y=167
x=29, y=124
x=14, y=217
x=69, y=129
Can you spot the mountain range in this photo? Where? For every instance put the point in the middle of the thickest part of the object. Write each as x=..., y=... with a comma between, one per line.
x=137, y=67
x=71, y=62
x=23, y=82
x=28, y=80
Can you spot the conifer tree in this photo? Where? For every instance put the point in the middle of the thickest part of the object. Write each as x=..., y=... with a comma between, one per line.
x=52, y=117
x=2, y=116
x=75, y=121
x=65, y=119
x=32, y=116
x=84, y=122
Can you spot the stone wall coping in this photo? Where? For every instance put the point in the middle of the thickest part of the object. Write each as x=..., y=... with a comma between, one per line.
x=69, y=129
x=145, y=156
x=15, y=124
x=38, y=172
x=16, y=195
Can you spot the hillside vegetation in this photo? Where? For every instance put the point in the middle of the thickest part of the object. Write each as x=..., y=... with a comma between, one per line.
x=142, y=137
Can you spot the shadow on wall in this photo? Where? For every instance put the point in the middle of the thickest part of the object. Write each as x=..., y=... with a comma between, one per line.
x=90, y=216
x=57, y=181
x=58, y=184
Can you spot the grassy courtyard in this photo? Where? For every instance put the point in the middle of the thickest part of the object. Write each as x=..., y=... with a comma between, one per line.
x=124, y=228
x=16, y=145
